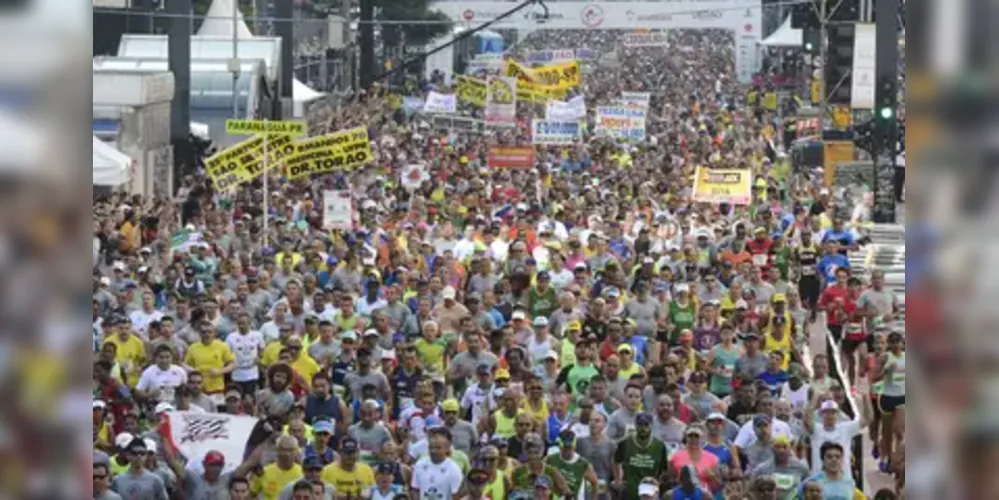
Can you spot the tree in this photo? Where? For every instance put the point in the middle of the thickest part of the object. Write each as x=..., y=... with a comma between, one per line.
x=429, y=24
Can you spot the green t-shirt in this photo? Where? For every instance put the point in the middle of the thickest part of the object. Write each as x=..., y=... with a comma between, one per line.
x=522, y=481
x=579, y=379
x=572, y=472
x=639, y=462
x=543, y=304
x=683, y=318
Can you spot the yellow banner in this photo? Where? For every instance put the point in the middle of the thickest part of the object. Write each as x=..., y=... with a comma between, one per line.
x=561, y=75
x=770, y=101
x=234, y=165
x=842, y=117
x=539, y=94
x=471, y=90
x=835, y=153
x=519, y=71
x=714, y=185
x=342, y=150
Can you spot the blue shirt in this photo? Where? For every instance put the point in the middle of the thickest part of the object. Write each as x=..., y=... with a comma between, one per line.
x=844, y=237
x=830, y=263
x=773, y=380
x=841, y=489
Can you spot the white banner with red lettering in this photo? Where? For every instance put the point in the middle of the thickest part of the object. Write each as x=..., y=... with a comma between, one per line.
x=195, y=434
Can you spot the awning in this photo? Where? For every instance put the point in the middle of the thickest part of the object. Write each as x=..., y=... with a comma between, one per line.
x=785, y=36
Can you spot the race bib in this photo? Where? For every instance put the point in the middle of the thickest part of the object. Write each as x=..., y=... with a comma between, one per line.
x=760, y=259
x=785, y=482
x=727, y=371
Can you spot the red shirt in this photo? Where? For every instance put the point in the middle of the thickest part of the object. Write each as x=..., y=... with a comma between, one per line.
x=827, y=301
x=760, y=248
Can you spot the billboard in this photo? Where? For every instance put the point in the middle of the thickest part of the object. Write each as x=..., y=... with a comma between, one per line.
x=743, y=17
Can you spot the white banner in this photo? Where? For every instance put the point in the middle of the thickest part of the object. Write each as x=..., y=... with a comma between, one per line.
x=413, y=175
x=555, y=133
x=744, y=18
x=621, y=122
x=562, y=111
x=338, y=210
x=440, y=103
x=636, y=99
x=501, y=99
x=195, y=434
x=863, y=78
x=647, y=39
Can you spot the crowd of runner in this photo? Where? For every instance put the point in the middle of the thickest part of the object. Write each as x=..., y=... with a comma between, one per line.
x=582, y=329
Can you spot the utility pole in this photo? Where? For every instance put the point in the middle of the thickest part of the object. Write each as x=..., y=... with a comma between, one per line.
x=886, y=113
x=179, y=52
x=234, y=65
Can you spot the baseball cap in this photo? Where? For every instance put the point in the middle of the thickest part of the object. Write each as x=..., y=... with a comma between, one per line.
x=682, y=288
x=122, y=440
x=518, y=315
x=574, y=326
x=384, y=468
x=150, y=445
x=781, y=439
x=348, y=335
x=323, y=426
x=371, y=332
x=451, y=405
x=312, y=463
x=163, y=408
x=715, y=416
x=643, y=418
x=483, y=369
x=741, y=304
x=502, y=374
x=449, y=293
x=213, y=457
x=99, y=404
x=779, y=297
x=761, y=420
x=829, y=405
x=646, y=489
x=348, y=445
x=693, y=429
x=551, y=354
x=232, y=393
x=626, y=348
x=567, y=438
x=137, y=445
x=541, y=321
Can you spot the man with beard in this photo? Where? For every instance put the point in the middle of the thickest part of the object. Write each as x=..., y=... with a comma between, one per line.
x=787, y=472
x=437, y=477
x=574, y=468
x=534, y=466
x=638, y=456
x=276, y=399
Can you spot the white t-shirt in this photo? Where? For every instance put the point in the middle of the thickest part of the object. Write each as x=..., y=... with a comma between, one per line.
x=843, y=433
x=154, y=379
x=246, y=348
x=480, y=401
x=436, y=481
x=141, y=319
x=747, y=434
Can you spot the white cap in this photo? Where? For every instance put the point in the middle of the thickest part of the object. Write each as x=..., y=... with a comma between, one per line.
x=829, y=405
x=122, y=440
x=150, y=445
x=388, y=354
x=715, y=416
x=371, y=332
x=163, y=408
x=646, y=489
x=348, y=335
x=541, y=321
x=648, y=260
x=449, y=293
x=519, y=315
x=682, y=288
x=143, y=269
x=105, y=281
x=741, y=304
x=368, y=204
x=551, y=354
x=100, y=404
x=118, y=266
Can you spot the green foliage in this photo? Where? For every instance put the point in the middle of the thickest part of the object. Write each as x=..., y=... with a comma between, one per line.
x=430, y=24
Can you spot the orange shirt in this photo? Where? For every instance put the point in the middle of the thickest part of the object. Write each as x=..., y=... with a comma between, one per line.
x=736, y=258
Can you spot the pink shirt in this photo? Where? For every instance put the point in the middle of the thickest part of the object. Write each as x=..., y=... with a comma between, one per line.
x=708, y=462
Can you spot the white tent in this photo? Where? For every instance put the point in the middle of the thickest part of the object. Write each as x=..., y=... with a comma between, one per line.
x=111, y=167
x=302, y=94
x=218, y=20
x=785, y=36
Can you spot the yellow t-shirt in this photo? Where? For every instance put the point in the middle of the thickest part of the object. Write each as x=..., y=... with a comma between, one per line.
x=306, y=367
x=539, y=415
x=204, y=358
x=432, y=355
x=270, y=483
x=271, y=353
x=349, y=483
x=131, y=355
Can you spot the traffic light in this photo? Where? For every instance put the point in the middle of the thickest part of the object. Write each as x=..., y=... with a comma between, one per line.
x=886, y=100
x=839, y=63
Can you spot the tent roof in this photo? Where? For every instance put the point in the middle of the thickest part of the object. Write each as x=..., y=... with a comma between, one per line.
x=111, y=167
x=218, y=20
x=785, y=36
x=301, y=92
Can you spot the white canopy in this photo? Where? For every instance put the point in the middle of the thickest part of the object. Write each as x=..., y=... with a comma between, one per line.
x=785, y=36
x=302, y=94
x=218, y=20
x=111, y=167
